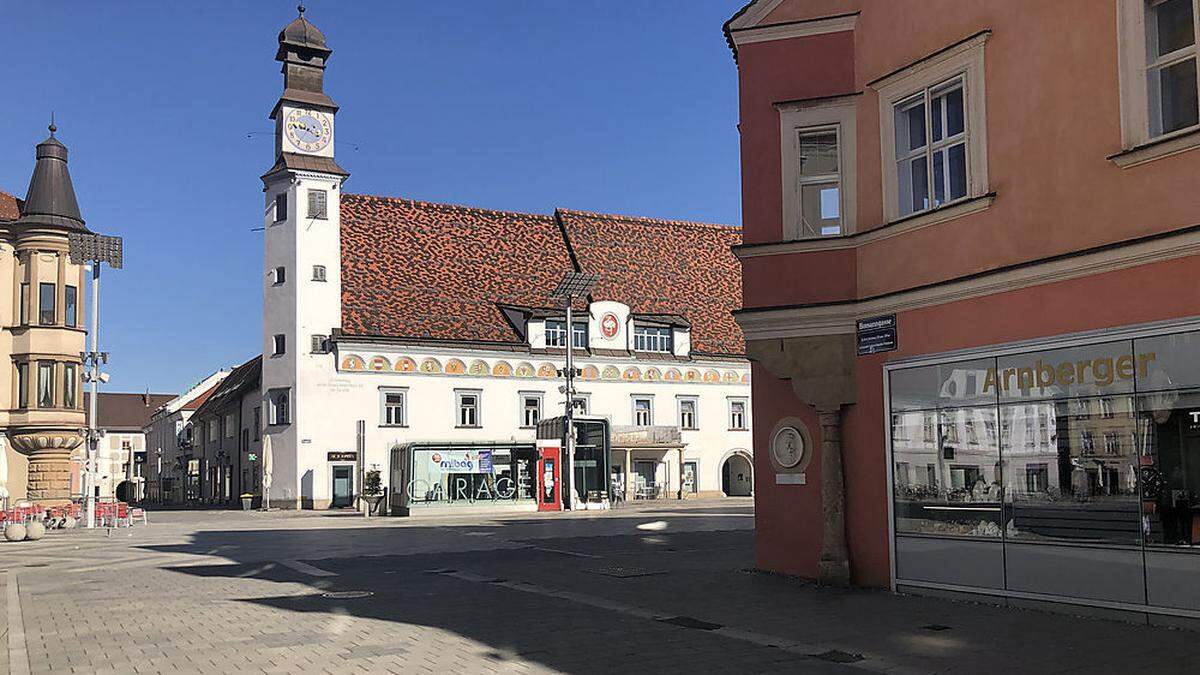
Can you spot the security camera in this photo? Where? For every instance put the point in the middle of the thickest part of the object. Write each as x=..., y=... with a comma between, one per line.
x=103, y=377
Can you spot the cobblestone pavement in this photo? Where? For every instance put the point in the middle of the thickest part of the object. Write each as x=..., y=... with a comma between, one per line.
x=657, y=589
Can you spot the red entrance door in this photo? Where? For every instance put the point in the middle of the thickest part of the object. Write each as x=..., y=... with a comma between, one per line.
x=549, y=474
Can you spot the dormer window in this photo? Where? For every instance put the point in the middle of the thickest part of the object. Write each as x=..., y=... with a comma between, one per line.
x=652, y=339
x=556, y=334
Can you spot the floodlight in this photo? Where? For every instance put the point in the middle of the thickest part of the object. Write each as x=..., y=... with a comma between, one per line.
x=574, y=285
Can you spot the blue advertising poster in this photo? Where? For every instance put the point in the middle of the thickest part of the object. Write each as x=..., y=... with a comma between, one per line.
x=485, y=461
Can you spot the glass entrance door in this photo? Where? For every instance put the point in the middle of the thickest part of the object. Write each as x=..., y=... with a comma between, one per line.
x=343, y=487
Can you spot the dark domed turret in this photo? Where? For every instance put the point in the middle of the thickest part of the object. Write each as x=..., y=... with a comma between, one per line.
x=51, y=196
x=301, y=33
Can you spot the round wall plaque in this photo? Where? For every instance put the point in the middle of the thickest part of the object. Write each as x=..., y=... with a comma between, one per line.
x=788, y=447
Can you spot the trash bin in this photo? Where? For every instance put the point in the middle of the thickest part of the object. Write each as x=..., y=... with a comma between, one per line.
x=247, y=500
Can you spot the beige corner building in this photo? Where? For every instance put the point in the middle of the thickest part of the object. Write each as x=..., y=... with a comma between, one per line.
x=41, y=330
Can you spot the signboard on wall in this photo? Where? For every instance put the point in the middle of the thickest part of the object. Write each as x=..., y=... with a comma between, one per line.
x=340, y=456
x=877, y=334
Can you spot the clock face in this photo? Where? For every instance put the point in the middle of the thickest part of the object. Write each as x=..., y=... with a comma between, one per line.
x=308, y=130
x=788, y=447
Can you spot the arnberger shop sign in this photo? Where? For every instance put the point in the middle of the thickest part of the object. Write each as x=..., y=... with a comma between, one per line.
x=1101, y=371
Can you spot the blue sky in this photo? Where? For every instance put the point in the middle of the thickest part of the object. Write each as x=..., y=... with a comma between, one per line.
x=622, y=106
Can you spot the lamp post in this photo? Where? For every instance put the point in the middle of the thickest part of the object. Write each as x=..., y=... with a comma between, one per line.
x=94, y=249
x=573, y=285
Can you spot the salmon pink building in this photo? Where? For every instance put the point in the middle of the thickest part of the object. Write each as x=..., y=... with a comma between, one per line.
x=969, y=257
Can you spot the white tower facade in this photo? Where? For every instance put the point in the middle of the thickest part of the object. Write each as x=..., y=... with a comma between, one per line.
x=301, y=270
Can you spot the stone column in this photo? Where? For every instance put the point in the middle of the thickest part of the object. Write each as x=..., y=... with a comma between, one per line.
x=628, y=470
x=834, y=566
x=681, y=473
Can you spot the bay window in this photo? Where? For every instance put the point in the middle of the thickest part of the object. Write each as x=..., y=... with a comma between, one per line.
x=45, y=398
x=931, y=148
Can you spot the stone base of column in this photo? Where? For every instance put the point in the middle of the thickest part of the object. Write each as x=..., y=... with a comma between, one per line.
x=50, y=477
x=833, y=572
x=49, y=455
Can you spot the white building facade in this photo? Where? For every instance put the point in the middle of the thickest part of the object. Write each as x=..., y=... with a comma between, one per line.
x=390, y=323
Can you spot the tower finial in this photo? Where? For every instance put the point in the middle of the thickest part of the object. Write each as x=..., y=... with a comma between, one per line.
x=52, y=127
x=301, y=9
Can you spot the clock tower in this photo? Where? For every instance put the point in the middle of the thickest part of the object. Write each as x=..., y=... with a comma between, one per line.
x=301, y=269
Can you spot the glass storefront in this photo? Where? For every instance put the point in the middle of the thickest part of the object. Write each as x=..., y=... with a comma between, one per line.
x=1072, y=472
x=465, y=475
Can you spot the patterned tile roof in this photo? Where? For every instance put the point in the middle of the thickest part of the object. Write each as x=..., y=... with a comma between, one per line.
x=437, y=271
x=665, y=267
x=440, y=272
x=8, y=207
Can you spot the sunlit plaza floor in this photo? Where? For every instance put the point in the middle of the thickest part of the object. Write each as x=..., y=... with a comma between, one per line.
x=657, y=588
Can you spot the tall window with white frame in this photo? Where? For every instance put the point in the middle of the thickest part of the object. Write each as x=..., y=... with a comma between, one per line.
x=819, y=183
x=279, y=411
x=737, y=414
x=687, y=413
x=467, y=404
x=931, y=147
x=531, y=409
x=1171, y=75
x=394, y=407
x=652, y=338
x=643, y=411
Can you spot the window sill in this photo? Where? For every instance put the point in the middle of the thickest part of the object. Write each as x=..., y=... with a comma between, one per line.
x=393, y=426
x=467, y=426
x=896, y=227
x=1164, y=146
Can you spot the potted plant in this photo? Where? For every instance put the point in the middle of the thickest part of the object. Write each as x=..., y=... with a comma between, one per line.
x=372, y=490
x=247, y=501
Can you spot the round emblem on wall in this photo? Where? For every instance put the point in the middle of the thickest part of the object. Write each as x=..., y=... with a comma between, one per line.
x=609, y=325
x=788, y=447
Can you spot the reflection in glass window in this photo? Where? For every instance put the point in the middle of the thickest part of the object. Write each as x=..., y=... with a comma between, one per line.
x=455, y=476
x=1169, y=424
x=1067, y=484
x=958, y=491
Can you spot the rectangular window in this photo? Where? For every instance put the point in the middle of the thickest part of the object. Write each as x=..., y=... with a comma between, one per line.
x=46, y=304
x=71, y=307
x=23, y=385
x=467, y=404
x=23, y=311
x=933, y=130
x=280, y=275
x=643, y=411
x=819, y=183
x=1171, y=65
x=737, y=414
x=279, y=410
x=394, y=403
x=281, y=211
x=931, y=147
x=582, y=403
x=556, y=334
x=212, y=431
x=320, y=344
x=316, y=204
x=318, y=273
x=687, y=413
x=652, y=339
x=279, y=345
x=531, y=409
x=70, y=380
x=257, y=422
x=230, y=426
x=45, y=384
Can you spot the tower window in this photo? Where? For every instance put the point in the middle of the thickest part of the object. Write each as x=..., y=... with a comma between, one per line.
x=320, y=344
x=46, y=304
x=281, y=213
x=280, y=275
x=71, y=307
x=316, y=204
x=318, y=273
x=279, y=345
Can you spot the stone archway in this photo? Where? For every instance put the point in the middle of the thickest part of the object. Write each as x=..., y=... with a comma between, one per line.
x=737, y=474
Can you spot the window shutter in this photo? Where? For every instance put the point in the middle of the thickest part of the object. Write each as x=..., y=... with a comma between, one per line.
x=316, y=204
x=318, y=273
